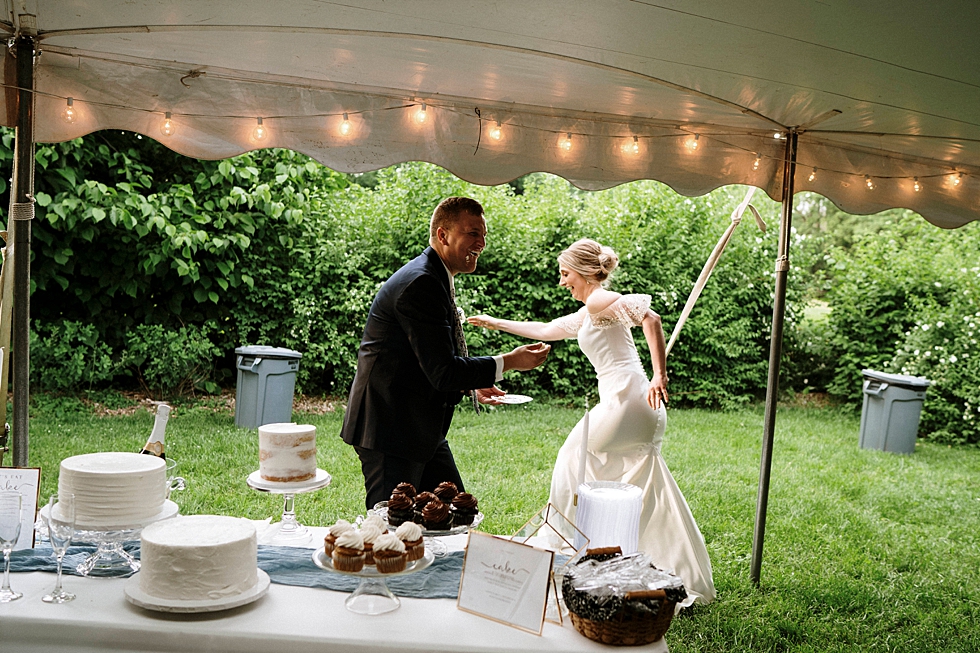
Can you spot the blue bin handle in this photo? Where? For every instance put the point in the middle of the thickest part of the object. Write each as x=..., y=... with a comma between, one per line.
x=876, y=390
x=250, y=368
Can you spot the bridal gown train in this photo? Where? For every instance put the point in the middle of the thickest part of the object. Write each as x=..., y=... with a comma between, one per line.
x=625, y=435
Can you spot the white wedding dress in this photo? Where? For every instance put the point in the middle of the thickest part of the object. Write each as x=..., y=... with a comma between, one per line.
x=625, y=435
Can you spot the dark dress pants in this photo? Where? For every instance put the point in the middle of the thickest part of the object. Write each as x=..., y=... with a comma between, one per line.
x=382, y=472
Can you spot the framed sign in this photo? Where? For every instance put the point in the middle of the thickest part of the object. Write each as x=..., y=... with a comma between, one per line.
x=27, y=481
x=505, y=581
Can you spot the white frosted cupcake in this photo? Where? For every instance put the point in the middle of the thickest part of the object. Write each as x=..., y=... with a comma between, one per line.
x=410, y=534
x=369, y=533
x=341, y=526
x=374, y=520
x=348, y=552
x=389, y=554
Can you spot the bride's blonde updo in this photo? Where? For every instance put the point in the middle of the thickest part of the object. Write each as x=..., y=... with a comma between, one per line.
x=593, y=261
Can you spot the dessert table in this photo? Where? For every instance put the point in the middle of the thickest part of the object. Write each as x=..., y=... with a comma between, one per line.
x=287, y=618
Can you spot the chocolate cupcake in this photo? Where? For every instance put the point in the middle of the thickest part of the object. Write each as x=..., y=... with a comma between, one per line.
x=446, y=491
x=407, y=489
x=464, y=509
x=389, y=554
x=341, y=526
x=411, y=535
x=401, y=509
x=421, y=500
x=436, y=516
x=348, y=552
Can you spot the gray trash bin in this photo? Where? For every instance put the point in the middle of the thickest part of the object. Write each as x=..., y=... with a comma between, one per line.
x=890, y=414
x=266, y=380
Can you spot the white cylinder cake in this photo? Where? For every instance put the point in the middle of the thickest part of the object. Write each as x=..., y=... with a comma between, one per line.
x=287, y=452
x=114, y=489
x=198, y=557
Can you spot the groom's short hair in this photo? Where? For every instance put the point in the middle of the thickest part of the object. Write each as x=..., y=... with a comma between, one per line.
x=449, y=212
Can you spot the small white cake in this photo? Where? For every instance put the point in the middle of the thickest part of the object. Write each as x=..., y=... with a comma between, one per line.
x=198, y=557
x=287, y=452
x=114, y=489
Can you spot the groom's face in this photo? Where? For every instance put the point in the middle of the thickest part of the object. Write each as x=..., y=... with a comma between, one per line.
x=462, y=244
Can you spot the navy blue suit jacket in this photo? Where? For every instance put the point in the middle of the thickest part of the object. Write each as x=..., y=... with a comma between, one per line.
x=409, y=375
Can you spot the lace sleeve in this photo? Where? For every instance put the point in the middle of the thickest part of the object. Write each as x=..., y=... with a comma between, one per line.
x=570, y=324
x=630, y=309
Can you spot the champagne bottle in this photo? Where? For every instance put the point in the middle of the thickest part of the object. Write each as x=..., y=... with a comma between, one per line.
x=154, y=445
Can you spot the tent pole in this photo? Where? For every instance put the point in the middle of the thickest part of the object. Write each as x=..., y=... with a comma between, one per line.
x=21, y=214
x=775, y=352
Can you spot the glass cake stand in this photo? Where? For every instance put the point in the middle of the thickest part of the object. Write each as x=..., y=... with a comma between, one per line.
x=289, y=531
x=372, y=596
x=432, y=541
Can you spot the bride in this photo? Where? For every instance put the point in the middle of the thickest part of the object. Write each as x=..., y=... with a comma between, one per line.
x=627, y=425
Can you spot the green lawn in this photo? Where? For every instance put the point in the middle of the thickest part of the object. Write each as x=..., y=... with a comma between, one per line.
x=865, y=551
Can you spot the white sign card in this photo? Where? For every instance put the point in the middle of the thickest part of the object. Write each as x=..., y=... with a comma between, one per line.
x=505, y=581
x=27, y=481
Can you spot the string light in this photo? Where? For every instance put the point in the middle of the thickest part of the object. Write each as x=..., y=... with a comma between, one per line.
x=813, y=175
x=916, y=185
x=345, y=126
x=867, y=182
x=421, y=115
x=566, y=143
x=68, y=113
x=956, y=180
x=693, y=143
x=496, y=133
x=260, y=132
x=167, y=128
x=778, y=135
x=758, y=160
x=632, y=147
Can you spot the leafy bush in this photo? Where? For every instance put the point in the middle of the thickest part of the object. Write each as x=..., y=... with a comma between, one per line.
x=169, y=363
x=68, y=357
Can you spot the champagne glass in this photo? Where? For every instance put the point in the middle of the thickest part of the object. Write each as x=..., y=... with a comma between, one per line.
x=61, y=526
x=11, y=504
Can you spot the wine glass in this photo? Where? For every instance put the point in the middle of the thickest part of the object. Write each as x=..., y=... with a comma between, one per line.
x=11, y=504
x=61, y=526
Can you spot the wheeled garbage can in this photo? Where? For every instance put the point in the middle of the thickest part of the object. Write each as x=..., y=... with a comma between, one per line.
x=891, y=410
x=266, y=381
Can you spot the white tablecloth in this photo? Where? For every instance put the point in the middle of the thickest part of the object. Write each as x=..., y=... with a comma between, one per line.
x=295, y=619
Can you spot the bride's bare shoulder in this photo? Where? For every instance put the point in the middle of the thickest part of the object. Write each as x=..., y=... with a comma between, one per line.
x=600, y=300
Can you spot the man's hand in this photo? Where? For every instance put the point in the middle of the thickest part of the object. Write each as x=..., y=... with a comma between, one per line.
x=526, y=357
x=490, y=395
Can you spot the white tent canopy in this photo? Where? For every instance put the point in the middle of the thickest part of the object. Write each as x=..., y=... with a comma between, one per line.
x=904, y=77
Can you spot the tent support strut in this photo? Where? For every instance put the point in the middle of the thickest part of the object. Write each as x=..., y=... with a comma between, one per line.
x=775, y=353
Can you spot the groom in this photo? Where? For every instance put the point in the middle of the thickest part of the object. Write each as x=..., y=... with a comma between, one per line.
x=412, y=367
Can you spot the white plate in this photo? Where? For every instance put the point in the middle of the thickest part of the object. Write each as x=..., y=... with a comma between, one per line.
x=255, y=480
x=323, y=561
x=515, y=399
x=136, y=596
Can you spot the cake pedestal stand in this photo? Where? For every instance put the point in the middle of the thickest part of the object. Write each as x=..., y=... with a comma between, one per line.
x=289, y=531
x=372, y=596
x=432, y=541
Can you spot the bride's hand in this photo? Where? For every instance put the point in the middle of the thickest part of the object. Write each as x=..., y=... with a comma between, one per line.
x=657, y=392
x=484, y=321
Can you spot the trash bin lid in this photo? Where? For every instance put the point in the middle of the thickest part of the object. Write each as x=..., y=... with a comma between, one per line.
x=900, y=380
x=265, y=351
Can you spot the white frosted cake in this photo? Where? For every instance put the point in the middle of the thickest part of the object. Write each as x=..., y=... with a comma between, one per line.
x=198, y=557
x=114, y=489
x=287, y=452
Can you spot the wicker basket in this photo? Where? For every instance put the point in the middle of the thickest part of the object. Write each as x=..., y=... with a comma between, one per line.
x=629, y=626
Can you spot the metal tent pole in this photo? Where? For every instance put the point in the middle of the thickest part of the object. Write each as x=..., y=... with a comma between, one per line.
x=21, y=214
x=775, y=352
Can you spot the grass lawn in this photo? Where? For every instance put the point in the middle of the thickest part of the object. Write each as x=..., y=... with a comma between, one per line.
x=865, y=551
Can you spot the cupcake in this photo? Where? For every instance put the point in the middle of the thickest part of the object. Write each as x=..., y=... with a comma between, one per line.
x=446, y=491
x=369, y=533
x=377, y=522
x=348, y=552
x=389, y=554
x=341, y=526
x=464, y=509
x=436, y=516
x=421, y=500
x=411, y=536
x=400, y=509
x=407, y=489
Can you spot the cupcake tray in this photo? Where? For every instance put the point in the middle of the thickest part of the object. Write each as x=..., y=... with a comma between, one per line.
x=381, y=510
x=323, y=561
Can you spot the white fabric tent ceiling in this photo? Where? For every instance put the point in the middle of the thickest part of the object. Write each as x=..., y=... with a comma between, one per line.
x=905, y=77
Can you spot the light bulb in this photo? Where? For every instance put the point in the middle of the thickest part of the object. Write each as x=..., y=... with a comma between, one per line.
x=566, y=144
x=867, y=182
x=916, y=185
x=813, y=175
x=956, y=180
x=260, y=132
x=495, y=132
x=420, y=115
x=68, y=113
x=167, y=128
x=632, y=147
x=693, y=143
x=777, y=135
x=345, y=126
x=758, y=160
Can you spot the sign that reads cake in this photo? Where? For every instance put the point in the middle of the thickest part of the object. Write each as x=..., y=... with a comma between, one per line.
x=505, y=581
x=27, y=481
